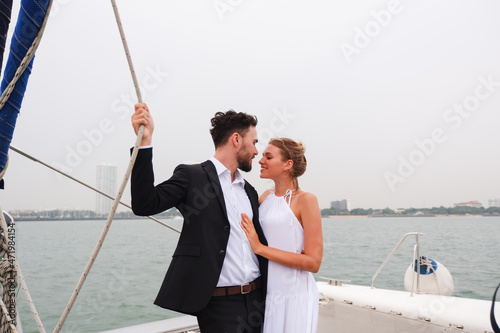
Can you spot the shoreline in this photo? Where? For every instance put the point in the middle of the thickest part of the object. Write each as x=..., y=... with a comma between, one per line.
x=424, y=215
x=176, y=218
x=347, y=216
x=20, y=219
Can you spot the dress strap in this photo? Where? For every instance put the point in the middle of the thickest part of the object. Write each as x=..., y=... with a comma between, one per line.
x=288, y=196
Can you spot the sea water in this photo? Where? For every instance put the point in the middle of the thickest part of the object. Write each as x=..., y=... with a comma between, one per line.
x=124, y=280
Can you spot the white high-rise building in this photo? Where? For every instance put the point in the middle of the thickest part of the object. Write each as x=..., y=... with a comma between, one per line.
x=106, y=182
x=494, y=202
x=340, y=204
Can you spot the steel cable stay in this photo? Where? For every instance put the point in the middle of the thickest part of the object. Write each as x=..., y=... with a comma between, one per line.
x=34, y=159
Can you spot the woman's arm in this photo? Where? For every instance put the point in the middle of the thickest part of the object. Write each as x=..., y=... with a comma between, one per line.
x=310, y=259
x=313, y=234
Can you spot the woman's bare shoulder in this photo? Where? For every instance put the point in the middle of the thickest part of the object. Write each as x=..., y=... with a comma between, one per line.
x=306, y=198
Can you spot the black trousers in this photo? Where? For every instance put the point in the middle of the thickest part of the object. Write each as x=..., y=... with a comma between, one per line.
x=233, y=314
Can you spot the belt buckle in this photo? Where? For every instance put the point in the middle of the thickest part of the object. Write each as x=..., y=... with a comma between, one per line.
x=242, y=286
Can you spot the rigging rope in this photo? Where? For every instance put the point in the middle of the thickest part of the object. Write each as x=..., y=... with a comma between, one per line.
x=13, y=265
x=8, y=281
x=27, y=295
x=120, y=190
x=127, y=52
x=7, y=318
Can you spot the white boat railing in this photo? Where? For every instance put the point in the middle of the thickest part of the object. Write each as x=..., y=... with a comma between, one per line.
x=416, y=254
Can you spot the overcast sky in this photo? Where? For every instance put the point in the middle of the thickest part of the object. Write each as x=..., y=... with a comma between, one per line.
x=397, y=102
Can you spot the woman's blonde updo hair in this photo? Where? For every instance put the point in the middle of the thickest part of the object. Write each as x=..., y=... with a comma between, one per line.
x=291, y=150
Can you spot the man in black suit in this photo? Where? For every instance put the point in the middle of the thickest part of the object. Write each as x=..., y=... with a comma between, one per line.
x=213, y=273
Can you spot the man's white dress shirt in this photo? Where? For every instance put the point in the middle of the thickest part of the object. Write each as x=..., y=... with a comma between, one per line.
x=240, y=263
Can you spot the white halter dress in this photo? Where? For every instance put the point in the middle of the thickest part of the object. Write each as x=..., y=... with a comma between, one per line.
x=292, y=296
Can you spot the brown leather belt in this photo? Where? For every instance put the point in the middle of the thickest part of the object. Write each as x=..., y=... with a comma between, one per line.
x=235, y=290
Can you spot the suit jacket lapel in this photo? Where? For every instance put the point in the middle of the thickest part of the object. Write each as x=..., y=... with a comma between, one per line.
x=209, y=168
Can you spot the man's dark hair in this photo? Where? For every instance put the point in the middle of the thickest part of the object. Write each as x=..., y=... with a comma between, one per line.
x=224, y=124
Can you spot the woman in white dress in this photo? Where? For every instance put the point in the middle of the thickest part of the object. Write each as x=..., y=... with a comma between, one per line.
x=291, y=220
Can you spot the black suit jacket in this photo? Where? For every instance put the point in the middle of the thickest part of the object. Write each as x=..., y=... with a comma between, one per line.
x=197, y=261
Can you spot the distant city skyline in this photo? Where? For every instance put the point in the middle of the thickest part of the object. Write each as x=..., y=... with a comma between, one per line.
x=337, y=208
x=104, y=206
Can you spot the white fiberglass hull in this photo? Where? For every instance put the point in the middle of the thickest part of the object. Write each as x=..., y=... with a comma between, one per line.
x=350, y=308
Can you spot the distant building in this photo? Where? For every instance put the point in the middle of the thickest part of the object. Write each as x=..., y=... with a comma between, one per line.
x=476, y=204
x=340, y=204
x=494, y=202
x=106, y=182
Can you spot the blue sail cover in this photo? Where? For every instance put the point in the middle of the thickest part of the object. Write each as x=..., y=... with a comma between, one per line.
x=5, y=13
x=29, y=22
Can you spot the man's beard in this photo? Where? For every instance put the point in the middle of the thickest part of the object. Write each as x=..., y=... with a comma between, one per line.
x=244, y=161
